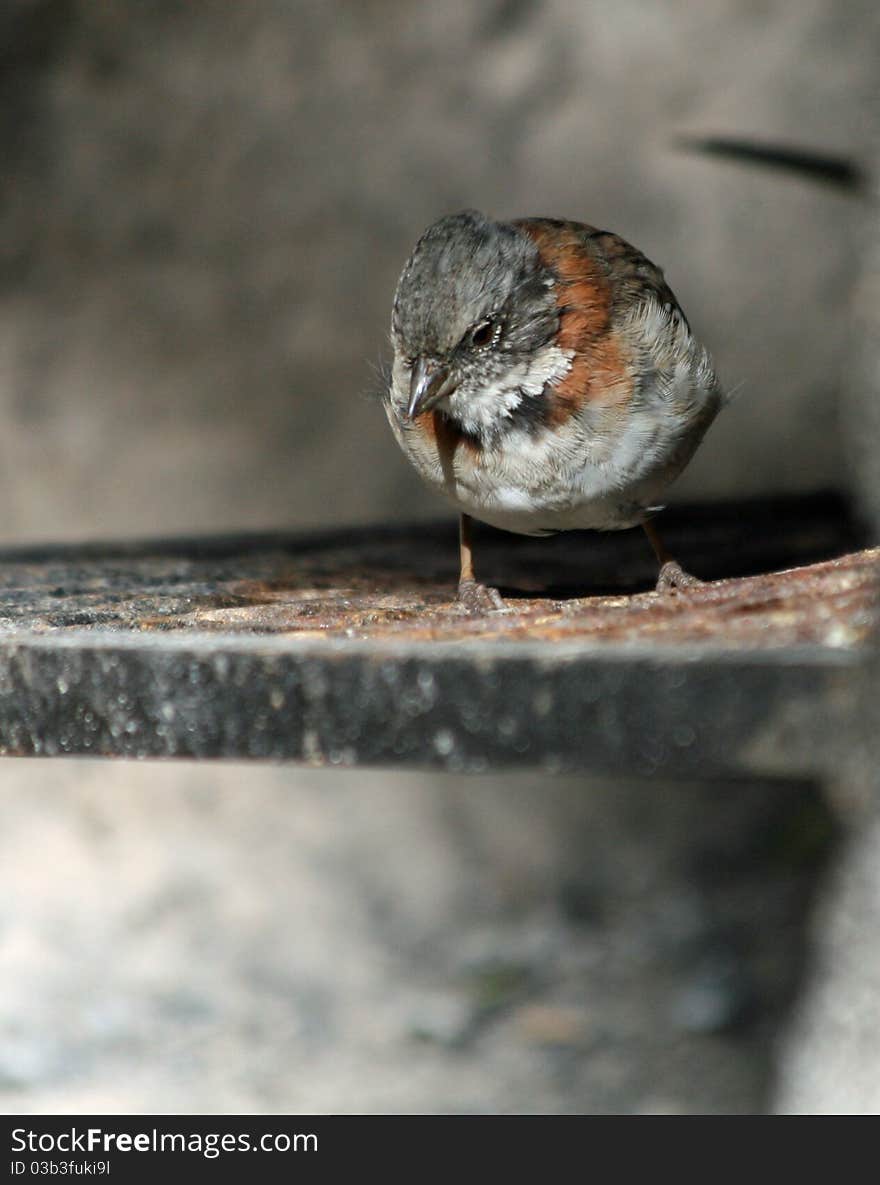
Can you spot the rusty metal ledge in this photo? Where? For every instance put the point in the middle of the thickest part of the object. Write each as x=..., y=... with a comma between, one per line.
x=346, y=649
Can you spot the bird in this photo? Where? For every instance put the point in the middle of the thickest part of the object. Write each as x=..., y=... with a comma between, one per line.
x=544, y=378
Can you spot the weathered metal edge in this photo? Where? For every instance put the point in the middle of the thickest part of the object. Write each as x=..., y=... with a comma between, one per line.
x=678, y=712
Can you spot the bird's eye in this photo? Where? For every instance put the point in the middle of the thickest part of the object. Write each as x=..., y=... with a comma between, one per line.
x=483, y=334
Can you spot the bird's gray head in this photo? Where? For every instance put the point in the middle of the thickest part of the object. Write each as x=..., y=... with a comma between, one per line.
x=474, y=324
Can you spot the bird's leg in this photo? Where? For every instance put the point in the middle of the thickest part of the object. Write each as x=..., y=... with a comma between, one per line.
x=472, y=597
x=672, y=576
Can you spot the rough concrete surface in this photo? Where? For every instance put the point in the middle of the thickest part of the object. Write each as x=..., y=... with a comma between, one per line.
x=253, y=939
x=830, y=1060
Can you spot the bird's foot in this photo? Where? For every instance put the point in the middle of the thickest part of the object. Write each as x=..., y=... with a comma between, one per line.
x=673, y=578
x=476, y=599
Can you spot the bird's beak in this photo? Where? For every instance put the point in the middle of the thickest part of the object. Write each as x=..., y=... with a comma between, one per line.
x=429, y=382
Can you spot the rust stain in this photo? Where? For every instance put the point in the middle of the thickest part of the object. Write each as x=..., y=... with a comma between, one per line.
x=399, y=584
x=832, y=603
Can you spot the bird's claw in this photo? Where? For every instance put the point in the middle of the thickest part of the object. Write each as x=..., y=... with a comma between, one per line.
x=476, y=599
x=673, y=578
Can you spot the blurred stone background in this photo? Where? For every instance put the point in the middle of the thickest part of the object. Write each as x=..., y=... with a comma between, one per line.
x=203, y=211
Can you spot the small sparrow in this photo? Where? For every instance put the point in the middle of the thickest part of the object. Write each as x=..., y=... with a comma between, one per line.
x=544, y=379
